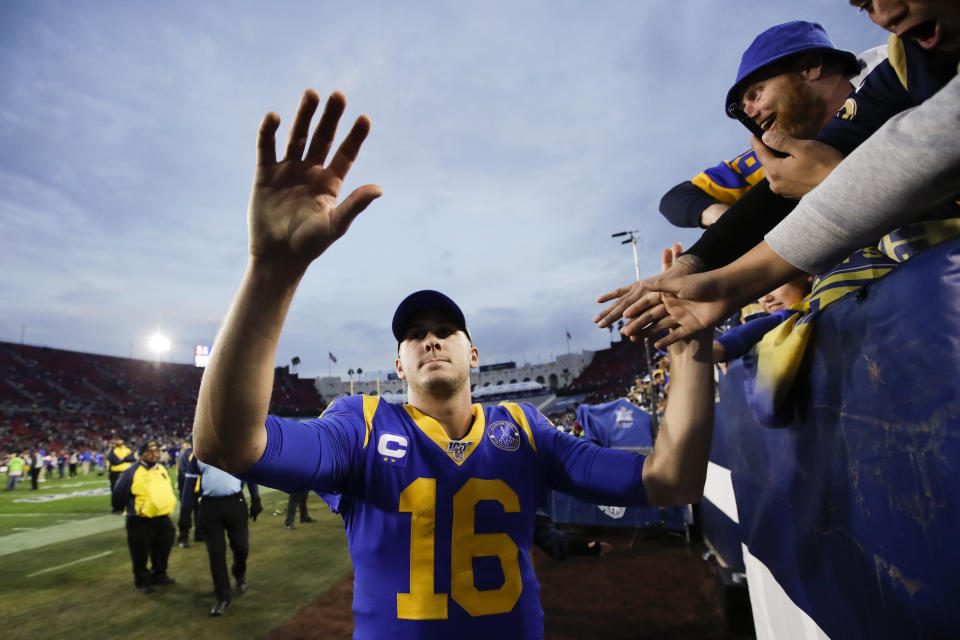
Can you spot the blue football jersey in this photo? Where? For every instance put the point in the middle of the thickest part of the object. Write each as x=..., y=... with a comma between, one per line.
x=439, y=529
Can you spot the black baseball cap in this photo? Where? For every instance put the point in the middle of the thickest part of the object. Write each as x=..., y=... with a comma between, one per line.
x=422, y=301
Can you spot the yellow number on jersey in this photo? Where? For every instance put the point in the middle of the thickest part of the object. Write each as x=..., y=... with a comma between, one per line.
x=419, y=500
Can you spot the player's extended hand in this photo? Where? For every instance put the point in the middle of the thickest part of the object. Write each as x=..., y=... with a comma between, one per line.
x=639, y=302
x=294, y=215
x=807, y=165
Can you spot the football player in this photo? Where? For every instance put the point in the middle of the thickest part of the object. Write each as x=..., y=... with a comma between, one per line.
x=439, y=496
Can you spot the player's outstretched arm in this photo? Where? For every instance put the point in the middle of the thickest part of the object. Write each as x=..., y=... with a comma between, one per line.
x=292, y=218
x=675, y=471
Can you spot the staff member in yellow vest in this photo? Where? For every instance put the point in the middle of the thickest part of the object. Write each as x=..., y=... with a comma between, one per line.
x=119, y=459
x=145, y=492
x=15, y=471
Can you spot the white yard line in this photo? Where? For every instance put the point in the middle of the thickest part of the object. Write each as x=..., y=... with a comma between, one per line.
x=17, y=515
x=58, y=533
x=36, y=538
x=61, y=566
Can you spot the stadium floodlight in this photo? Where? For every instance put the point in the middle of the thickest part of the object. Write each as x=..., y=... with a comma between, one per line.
x=631, y=240
x=158, y=343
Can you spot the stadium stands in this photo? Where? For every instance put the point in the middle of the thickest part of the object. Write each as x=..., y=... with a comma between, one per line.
x=53, y=398
x=611, y=372
x=56, y=399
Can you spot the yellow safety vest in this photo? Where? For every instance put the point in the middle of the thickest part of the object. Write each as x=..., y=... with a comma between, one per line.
x=152, y=493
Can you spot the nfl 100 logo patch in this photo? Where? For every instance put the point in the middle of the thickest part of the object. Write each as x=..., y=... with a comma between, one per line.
x=456, y=449
x=504, y=435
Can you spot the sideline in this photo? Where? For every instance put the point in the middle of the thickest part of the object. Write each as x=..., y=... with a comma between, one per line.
x=26, y=540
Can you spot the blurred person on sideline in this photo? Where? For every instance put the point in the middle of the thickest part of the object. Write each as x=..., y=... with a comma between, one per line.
x=15, y=471
x=222, y=513
x=36, y=467
x=295, y=501
x=187, y=477
x=144, y=491
x=119, y=459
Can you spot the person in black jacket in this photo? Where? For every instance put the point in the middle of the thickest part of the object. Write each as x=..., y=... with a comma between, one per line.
x=187, y=517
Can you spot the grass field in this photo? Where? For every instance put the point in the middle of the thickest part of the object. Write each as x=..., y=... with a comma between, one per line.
x=65, y=567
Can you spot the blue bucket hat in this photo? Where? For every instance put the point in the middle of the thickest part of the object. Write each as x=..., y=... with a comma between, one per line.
x=781, y=41
x=422, y=301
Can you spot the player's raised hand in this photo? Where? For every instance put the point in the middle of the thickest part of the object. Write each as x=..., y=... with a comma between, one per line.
x=807, y=165
x=294, y=214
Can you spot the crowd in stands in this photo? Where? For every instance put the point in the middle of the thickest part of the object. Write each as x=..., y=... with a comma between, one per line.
x=611, y=372
x=67, y=403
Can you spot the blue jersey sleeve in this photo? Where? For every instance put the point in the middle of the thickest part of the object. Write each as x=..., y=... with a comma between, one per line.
x=587, y=471
x=684, y=204
x=881, y=97
x=906, y=78
x=317, y=455
x=738, y=340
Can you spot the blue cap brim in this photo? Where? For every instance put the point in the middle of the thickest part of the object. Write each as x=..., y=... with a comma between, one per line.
x=424, y=300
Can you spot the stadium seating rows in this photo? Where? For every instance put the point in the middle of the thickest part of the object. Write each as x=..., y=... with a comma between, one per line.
x=55, y=398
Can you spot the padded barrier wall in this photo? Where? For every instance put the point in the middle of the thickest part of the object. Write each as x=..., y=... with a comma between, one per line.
x=854, y=506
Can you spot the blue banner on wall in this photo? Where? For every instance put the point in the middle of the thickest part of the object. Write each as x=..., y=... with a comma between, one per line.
x=854, y=505
x=615, y=424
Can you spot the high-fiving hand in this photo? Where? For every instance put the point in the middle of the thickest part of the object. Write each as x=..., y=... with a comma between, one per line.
x=294, y=215
x=640, y=304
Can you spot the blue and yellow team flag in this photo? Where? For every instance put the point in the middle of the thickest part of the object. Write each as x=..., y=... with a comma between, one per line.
x=772, y=369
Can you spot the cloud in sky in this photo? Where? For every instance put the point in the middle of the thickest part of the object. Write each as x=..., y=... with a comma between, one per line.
x=511, y=139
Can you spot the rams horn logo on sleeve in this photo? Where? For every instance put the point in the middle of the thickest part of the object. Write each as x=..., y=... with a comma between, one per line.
x=848, y=110
x=504, y=435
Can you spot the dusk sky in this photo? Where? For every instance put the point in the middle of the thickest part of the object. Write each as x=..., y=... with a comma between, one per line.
x=510, y=138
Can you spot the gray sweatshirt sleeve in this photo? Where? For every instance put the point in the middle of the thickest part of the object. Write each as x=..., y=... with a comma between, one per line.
x=909, y=165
